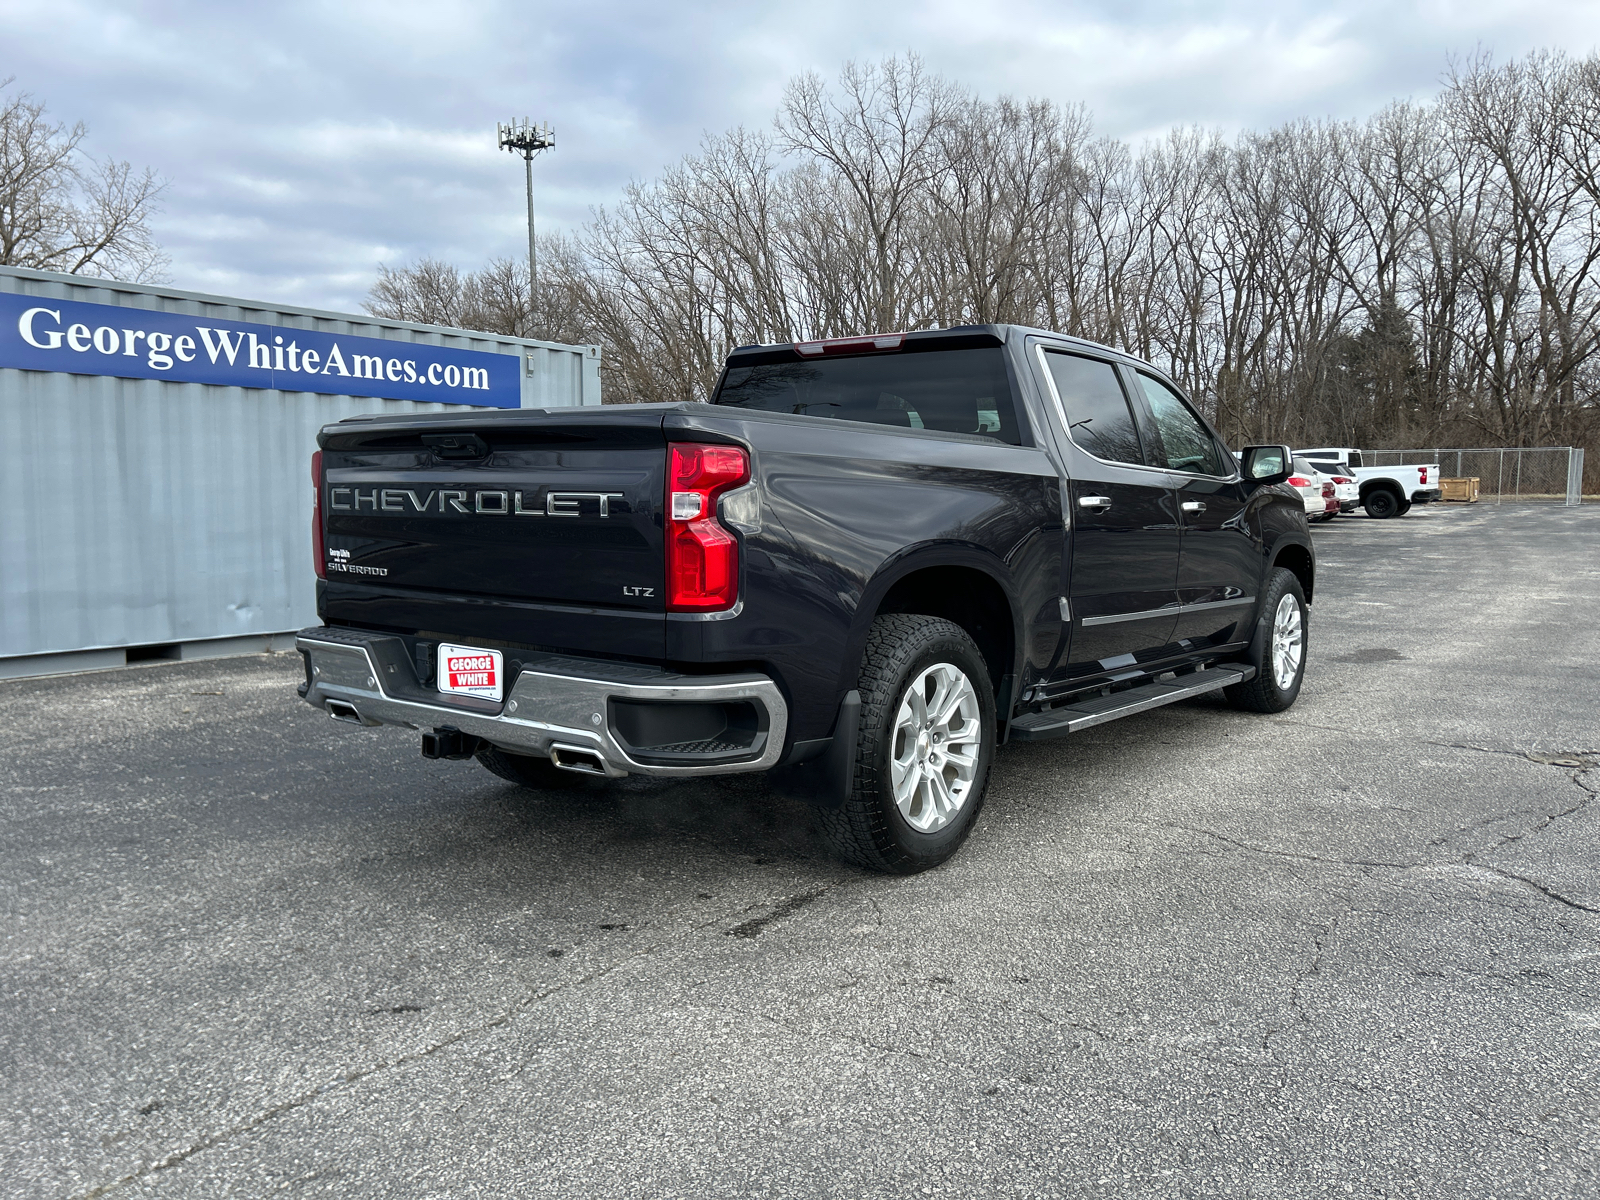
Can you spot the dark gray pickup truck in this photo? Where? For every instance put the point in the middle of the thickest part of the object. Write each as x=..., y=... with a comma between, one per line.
x=862, y=567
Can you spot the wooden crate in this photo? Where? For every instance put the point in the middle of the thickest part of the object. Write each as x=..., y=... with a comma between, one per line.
x=1462, y=491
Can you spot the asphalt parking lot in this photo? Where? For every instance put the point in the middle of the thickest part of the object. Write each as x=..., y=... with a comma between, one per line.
x=1350, y=950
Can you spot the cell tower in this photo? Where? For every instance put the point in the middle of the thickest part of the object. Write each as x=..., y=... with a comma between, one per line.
x=529, y=140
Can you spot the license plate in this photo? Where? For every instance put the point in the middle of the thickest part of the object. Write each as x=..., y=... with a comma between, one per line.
x=471, y=671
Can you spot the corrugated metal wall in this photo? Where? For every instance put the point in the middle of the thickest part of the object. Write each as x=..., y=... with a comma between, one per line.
x=140, y=511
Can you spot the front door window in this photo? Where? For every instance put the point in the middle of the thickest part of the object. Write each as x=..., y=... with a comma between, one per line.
x=1186, y=444
x=1220, y=560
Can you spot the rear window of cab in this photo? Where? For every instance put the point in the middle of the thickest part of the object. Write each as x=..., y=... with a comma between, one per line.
x=966, y=391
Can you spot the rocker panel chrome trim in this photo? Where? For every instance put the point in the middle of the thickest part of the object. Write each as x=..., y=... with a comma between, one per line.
x=1169, y=611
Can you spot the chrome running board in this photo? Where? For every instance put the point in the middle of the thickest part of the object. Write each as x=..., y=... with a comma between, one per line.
x=1097, y=710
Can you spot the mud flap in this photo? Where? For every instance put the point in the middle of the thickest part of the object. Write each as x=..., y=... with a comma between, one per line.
x=826, y=779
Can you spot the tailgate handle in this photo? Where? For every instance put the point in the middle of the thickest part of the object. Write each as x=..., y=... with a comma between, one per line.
x=456, y=445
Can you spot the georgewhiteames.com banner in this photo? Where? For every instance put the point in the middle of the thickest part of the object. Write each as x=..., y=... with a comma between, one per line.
x=73, y=337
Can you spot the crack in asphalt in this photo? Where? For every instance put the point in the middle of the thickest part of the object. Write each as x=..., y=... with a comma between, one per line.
x=1571, y=759
x=356, y=1076
x=1474, y=859
x=1291, y=854
x=300, y=1101
x=1565, y=760
x=1526, y=977
x=1325, y=931
x=1539, y=887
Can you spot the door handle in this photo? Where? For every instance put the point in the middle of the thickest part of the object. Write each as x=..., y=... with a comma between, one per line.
x=1192, y=506
x=1094, y=501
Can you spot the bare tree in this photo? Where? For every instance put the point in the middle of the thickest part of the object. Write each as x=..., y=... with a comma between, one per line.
x=61, y=210
x=880, y=140
x=1432, y=272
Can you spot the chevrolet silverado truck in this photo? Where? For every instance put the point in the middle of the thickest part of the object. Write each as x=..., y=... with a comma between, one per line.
x=863, y=566
x=1384, y=491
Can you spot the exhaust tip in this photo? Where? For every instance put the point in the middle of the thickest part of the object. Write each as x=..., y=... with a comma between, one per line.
x=576, y=758
x=341, y=710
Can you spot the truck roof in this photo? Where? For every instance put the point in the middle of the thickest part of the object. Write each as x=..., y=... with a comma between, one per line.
x=952, y=337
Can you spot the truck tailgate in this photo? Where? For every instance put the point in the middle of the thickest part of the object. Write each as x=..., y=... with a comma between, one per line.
x=461, y=525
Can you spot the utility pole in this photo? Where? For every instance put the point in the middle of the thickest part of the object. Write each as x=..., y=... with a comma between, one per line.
x=528, y=140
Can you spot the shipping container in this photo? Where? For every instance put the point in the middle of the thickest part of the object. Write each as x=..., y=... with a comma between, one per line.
x=156, y=490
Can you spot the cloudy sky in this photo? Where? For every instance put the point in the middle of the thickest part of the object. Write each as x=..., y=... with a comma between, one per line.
x=305, y=143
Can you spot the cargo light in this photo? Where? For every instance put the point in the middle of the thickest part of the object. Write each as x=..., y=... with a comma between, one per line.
x=872, y=344
x=702, y=555
x=318, y=551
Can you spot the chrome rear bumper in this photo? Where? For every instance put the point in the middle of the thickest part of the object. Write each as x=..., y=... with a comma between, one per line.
x=554, y=701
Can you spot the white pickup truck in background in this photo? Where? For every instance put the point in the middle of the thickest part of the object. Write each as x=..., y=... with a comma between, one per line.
x=1385, y=491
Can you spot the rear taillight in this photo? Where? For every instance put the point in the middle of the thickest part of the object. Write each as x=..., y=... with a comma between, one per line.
x=702, y=556
x=1424, y=474
x=1327, y=490
x=1299, y=481
x=318, y=554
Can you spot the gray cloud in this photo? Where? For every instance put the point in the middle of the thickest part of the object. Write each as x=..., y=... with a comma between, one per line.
x=307, y=142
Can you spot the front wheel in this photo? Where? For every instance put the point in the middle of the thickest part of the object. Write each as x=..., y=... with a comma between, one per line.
x=1278, y=650
x=925, y=742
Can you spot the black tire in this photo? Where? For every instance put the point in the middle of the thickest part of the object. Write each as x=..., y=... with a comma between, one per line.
x=1263, y=694
x=1405, y=507
x=1382, y=503
x=528, y=770
x=869, y=828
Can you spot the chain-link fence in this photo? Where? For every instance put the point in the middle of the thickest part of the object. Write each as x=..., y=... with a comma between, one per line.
x=1536, y=475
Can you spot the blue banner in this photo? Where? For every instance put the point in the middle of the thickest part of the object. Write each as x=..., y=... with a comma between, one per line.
x=38, y=334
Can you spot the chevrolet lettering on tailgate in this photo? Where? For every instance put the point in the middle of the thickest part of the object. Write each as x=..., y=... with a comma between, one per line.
x=465, y=502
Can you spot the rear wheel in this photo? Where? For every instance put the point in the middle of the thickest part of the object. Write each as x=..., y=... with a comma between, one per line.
x=1405, y=507
x=1278, y=650
x=527, y=770
x=923, y=749
x=1381, y=504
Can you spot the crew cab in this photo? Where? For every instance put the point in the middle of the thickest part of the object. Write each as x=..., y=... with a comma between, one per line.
x=1383, y=491
x=862, y=567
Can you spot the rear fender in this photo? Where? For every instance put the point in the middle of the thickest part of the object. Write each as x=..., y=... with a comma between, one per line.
x=925, y=557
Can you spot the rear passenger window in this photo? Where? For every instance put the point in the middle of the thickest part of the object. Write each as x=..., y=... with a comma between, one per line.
x=1095, y=409
x=1186, y=443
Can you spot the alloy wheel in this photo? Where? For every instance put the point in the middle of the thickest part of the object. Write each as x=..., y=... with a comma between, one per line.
x=1288, y=643
x=938, y=736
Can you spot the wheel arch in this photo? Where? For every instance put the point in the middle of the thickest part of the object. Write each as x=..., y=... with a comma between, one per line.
x=963, y=584
x=1296, y=557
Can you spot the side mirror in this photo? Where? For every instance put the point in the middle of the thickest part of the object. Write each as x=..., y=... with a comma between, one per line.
x=1266, y=465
